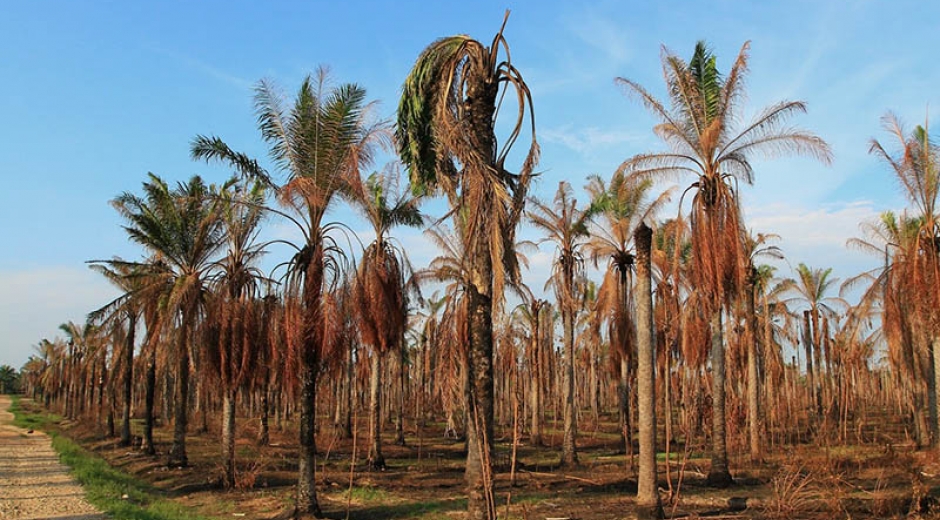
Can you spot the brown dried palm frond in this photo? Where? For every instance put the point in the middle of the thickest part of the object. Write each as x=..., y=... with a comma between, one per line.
x=915, y=267
x=446, y=134
x=565, y=226
x=700, y=127
x=696, y=335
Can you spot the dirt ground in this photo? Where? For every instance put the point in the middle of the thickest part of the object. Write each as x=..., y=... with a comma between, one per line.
x=881, y=476
x=33, y=483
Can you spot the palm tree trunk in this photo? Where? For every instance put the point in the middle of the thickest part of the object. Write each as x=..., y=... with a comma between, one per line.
x=808, y=346
x=535, y=436
x=623, y=404
x=150, y=394
x=376, y=460
x=400, y=424
x=569, y=456
x=228, y=436
x=128, y=380
x=307, y=503
x=718, y=475
x=935, y=344
x=264, y=432
x=647, y=496
x=753, y=383
x=479, y=473
x=177, y=456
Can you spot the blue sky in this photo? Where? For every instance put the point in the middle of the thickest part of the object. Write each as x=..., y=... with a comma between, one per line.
x=96, y=94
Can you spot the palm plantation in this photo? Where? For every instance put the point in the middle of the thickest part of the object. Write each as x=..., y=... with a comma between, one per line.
x=259, y=309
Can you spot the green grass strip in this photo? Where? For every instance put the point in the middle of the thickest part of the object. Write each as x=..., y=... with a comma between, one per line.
x=105, y=487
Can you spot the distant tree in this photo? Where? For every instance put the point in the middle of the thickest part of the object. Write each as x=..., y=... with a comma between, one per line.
x=9, y=380
x=566, y=227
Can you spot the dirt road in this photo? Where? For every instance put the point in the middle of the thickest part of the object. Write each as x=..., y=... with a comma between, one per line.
x=33, y=483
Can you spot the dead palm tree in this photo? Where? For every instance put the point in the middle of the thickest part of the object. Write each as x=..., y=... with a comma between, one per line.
x=647, y=495
x=566, y=227
x=756, y=248
x=891, y=291
x=917, y=168
x=380, y=284
x=446, y=134
x=810, y=290
x=181, y=228
x=233, y=332
x=699, y=126
x=620, y=207
x=449, y=340
x=320, y=142
x=125, y=308
x=531, y=316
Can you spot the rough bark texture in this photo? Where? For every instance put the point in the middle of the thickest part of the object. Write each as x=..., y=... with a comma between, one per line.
x=808, y=345
x=376, y=460
x=935, y=344
x=647, y=496
x=264, y=432
x=718, y=475
x=307, y=503
x=150, y=394
x=753, y=378
x=128, y=381
x=177, y=456
x=569, y=455
x=480, y=503
x=535, y=435
x=228, y=437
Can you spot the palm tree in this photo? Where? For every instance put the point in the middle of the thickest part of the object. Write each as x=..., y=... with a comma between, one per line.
x=320, y=143
x=810, y=289
x=755, y=284
x=891, y=291
x=699, y=126
x=125, y=310
x=446, y=136
x=532, y=313
x=9, y=380
x=181, y=228
x=917, y=168
x=647, y=495
x=622, y=206
x=380, y=285
x=566, y=226
x=234, y=331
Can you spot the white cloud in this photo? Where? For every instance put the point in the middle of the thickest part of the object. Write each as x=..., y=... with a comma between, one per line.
x=34, y=302
x=589, y=140
x=816, y=236
x=605, y=37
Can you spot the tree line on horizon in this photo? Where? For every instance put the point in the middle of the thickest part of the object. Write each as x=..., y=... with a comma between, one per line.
x=684, y=338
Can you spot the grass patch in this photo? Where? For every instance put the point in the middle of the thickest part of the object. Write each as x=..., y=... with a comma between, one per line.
x=116, y=493
x=366, y=494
